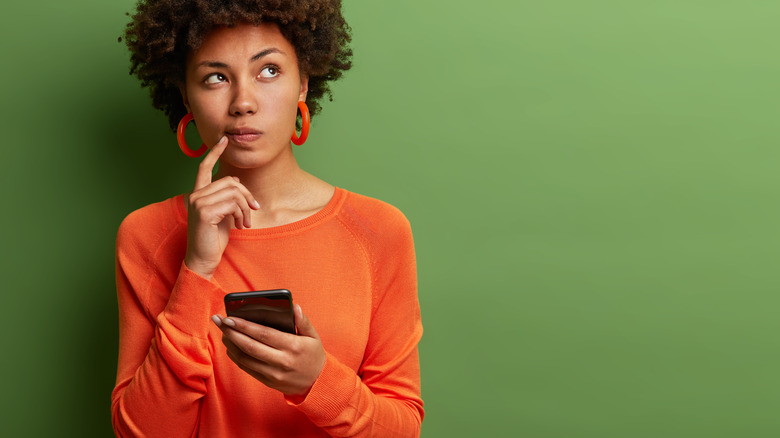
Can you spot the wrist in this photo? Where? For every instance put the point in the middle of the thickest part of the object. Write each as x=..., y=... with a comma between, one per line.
x=202, y=269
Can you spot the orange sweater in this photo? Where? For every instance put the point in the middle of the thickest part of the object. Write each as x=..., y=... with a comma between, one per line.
x=351, y=267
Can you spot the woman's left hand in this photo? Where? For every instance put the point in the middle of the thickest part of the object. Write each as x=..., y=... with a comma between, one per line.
x=282, y=361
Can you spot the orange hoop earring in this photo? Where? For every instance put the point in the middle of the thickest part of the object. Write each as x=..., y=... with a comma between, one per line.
x=299, y=140
x=183, y=141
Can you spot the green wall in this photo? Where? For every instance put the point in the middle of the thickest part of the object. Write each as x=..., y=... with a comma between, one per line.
x=593, y=188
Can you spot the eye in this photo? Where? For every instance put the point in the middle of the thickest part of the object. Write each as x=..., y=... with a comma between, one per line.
x=270, y=71
x=215, y=78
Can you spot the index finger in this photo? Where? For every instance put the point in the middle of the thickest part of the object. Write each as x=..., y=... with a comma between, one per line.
x=261, y=333
x=207, y=165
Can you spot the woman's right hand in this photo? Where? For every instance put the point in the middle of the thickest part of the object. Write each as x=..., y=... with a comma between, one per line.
x=213, y=207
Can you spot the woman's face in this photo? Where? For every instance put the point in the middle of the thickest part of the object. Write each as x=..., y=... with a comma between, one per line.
x=243, y=82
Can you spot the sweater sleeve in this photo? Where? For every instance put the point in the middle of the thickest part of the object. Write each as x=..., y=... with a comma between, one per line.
x=383, y=399
x=164, y=357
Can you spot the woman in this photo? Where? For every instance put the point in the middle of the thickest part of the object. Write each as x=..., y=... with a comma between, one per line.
x=242, y=70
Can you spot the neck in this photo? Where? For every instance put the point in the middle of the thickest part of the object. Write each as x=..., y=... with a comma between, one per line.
x=284, y=191
x=274, y=185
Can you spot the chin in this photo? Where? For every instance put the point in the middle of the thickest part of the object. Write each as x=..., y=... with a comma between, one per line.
x=244, y=158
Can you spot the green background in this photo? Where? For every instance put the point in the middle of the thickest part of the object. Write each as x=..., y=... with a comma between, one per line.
x=592, y=185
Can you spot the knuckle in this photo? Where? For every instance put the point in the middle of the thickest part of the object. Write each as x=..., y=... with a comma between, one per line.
x=206, y=211
x=287, y=365
x=252, y=350
x=276, y=375
x=293, y=348
x=296, y=346
x=260, y=333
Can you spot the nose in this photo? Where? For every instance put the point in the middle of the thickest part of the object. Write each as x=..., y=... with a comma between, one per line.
x=244, y=100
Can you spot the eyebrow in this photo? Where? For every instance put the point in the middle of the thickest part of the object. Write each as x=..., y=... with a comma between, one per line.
x=265, y=52
x=258, y=55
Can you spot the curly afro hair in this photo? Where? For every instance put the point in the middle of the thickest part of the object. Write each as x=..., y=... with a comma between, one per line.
x=162, y=32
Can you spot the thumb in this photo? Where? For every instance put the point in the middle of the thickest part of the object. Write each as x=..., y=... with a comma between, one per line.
x=303, y=324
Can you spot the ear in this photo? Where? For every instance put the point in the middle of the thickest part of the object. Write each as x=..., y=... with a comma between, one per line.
x=304, y=88
x=183, y=91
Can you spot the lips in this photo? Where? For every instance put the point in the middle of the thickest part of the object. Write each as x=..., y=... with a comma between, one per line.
x=243, y=135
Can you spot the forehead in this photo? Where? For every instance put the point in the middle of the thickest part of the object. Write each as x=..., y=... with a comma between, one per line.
x=240, y=43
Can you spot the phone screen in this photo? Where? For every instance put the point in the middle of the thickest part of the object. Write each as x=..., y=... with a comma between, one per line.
x=271, y=308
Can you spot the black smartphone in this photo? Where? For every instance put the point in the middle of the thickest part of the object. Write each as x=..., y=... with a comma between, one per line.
x=271, y=308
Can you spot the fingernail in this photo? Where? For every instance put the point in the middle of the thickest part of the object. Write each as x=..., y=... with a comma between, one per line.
x=256, y=204
x=229, y=322
x=216, y=320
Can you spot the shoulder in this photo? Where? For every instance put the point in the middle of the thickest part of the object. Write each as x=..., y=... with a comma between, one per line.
x=372, y=213
x=374, y=222
x=386, y=237
x=146, y=228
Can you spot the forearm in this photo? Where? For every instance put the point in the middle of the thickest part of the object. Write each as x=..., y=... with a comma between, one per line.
x=164, y=363
x=162, y=397
x=343, y=405
x=382, y=397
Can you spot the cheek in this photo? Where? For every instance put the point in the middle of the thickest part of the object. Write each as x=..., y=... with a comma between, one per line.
x=284, y=109
x=206, y=118
x=207, y=125
x=282, y=101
